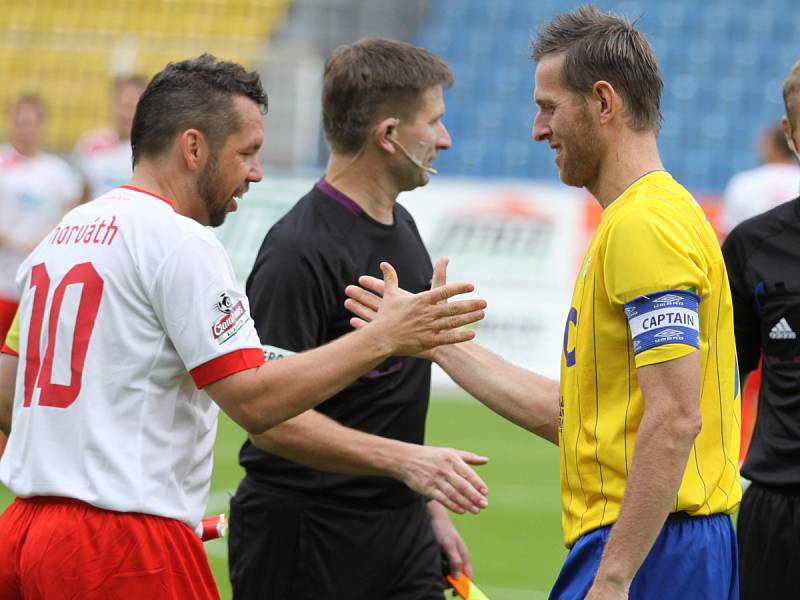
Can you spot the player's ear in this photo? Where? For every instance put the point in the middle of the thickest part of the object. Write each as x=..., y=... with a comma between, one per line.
x=607, y=100
x=385, y=132
x=194, y=149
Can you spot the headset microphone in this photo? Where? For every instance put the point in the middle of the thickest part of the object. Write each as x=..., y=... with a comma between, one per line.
x=792, y=147
x=413, y=159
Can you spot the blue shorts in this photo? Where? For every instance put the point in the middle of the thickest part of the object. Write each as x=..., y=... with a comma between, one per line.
x=693, y=557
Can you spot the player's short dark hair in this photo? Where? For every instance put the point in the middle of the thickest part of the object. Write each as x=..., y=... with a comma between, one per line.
x=371, y=77
x=196, y=93
x=791, y=94
x=600, y=46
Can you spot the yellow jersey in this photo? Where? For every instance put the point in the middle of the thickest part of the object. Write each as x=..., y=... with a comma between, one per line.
x=652, y=288
x=12, y=336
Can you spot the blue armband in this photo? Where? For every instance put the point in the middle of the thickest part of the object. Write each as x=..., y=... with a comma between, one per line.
x=667, y=317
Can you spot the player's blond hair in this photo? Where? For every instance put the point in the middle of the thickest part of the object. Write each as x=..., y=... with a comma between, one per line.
x=604, y=46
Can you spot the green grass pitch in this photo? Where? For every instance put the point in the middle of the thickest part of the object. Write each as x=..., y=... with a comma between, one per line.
x=515, y=543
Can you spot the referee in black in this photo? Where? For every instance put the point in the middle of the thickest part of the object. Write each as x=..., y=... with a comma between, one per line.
x=763, y=259
x=346, y=502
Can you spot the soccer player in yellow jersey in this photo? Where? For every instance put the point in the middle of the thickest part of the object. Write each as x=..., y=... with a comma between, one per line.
x=646, y=415
x=7, y=369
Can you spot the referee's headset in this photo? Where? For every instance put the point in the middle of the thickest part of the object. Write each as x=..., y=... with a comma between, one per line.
x=392, y=137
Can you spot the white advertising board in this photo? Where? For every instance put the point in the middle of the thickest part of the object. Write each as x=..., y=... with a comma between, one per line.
x=519, y=242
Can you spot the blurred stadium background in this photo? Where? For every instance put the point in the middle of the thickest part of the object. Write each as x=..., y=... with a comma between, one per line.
x=501, y=212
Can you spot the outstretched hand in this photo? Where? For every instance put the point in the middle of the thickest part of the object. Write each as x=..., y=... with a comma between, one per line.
x=444, y=474
x=414, y=322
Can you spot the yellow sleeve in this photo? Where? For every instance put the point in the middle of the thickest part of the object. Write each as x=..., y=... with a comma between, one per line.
x=12, y=337
x=647, y=253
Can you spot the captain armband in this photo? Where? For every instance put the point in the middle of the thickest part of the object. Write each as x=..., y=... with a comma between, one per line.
x=274, y=353
x=667, y=317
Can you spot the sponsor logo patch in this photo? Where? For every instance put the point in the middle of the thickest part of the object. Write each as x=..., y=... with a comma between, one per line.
x=224, y=303
x=669, y=300
x=782, y=331
x=230, y=323
x=669, y=334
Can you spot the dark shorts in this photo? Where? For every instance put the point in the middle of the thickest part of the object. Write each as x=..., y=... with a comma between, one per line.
x=769, y=543
x=693, y=558
x=58, y=548
x=290, y=547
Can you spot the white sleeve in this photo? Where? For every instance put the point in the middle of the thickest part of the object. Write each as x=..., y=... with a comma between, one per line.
x=205, y=315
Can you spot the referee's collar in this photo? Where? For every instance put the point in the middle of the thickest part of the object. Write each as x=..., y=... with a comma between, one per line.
x=340, y=197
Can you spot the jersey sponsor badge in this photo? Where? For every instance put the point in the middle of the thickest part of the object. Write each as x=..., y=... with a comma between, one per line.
x=234, y=316
x=667, y=317
x=225, y=303
x=782, y=331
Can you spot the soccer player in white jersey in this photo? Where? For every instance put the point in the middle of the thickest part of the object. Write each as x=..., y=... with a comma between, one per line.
x=132, y=331
x=36, y=189
x=104, y=155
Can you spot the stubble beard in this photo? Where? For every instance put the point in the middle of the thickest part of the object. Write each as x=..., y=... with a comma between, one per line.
x=582, y=152
x=209, y=192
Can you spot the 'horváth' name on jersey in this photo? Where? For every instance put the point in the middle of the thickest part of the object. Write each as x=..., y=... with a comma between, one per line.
x=99, y=232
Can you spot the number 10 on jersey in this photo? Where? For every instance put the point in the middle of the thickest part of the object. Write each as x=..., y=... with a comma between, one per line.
x=38, y=372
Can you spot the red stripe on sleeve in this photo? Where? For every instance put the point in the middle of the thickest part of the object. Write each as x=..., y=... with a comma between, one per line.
x=227, y=364
x=6, y=349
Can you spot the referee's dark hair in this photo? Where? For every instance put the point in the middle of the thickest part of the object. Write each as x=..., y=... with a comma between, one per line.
x=192, y=94
x=373, y=79
x=600, y=46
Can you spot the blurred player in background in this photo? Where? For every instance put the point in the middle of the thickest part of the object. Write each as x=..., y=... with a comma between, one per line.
x=775, y=181
x=104, y=155
x=298, y=530
x=36, y=189
x=646, y=414
x=763, y=256
x=131, y=333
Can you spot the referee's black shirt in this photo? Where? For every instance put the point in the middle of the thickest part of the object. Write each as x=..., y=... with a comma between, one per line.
x=296, y=292
x=762, y=256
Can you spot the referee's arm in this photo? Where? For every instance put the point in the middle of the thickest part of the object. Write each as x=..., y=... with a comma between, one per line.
x=320, y=442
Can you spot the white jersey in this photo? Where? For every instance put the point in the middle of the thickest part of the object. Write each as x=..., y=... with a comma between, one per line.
x=755, y=191
x=35, y=193
x=104, y=160
x=127, y=309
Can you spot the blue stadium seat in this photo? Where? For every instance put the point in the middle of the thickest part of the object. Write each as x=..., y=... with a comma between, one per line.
x=722, y=62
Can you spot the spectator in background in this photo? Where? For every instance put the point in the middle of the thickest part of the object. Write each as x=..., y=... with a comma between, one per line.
x=757, y=190
x=104, y=155
x=37, y=189
x=763, y=259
